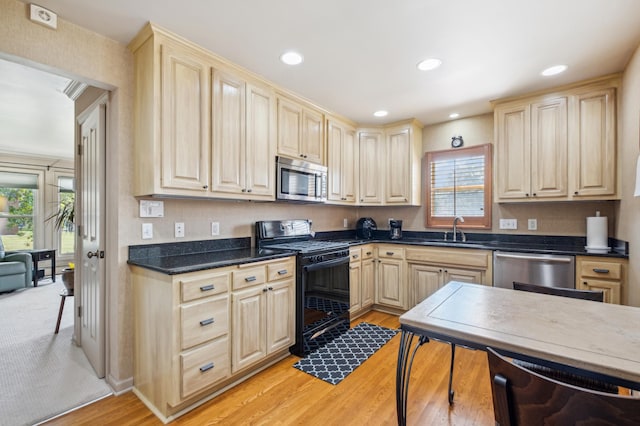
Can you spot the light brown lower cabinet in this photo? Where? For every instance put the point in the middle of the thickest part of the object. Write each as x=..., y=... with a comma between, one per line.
x=200, y=332
x=604, y=274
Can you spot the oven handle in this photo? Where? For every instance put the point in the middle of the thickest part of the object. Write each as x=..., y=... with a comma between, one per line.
x=327, y=264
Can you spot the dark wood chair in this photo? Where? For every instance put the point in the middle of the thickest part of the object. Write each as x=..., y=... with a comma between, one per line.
x=563, y=376
x=596, y=296
x=522, y=397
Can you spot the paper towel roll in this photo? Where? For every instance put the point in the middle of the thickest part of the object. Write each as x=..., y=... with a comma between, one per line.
x=597, y=237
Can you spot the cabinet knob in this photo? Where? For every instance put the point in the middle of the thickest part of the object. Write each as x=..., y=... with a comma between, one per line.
x=205, y=186
x=575, y=193
x=270, y=288
x=249, y=190
x=526, y=195
x=355, y=256
x=243, y=190
x=301, y=155
x=534, y=194
x=264, y=290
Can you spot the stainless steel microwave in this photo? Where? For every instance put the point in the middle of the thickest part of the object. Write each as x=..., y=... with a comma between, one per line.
x=299, y=180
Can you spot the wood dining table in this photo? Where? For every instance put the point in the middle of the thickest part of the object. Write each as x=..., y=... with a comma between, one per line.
x=597, y=340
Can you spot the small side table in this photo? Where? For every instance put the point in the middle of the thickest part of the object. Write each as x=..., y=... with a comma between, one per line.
x=63, y=296
x=40, y=255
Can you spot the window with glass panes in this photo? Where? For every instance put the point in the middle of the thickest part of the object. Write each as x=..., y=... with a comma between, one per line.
x=18, y=207
x=458, y=183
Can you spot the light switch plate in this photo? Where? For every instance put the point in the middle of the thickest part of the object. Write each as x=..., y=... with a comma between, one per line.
x=215, y=228
x=147, y=231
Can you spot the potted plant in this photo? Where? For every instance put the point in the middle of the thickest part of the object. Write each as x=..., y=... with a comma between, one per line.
x=64, y=218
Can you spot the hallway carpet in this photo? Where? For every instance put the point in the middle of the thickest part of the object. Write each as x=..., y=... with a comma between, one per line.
x=41, y=374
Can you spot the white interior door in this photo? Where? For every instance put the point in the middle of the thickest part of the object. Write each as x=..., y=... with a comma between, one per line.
x=90, y=256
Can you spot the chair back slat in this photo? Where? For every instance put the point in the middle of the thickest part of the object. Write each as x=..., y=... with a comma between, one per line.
x=596, y=296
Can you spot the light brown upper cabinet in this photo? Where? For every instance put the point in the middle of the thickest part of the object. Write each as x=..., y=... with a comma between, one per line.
x=300, y=131
x=390, y=164
x=171, y=110
x=342, y=162
x=243, y=138
x=557, y=146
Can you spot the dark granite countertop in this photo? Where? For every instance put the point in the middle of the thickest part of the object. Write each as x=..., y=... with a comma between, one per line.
x=502, y=242
x=191, y=256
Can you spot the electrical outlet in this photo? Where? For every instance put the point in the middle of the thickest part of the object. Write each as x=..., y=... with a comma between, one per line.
x=215, y=228
x=532, y=224
x=508, y=223
x=147, y=231
x=179, y=229
x=345, y=222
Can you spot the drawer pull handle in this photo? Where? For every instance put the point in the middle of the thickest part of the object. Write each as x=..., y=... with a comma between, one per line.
x=249, y=279
x=355, y=256
x=264, y=290
x=270, y=288
x=368, y=253
x=600, y=271
x=207, y=287
x=206, y=367
x=206, y=322
x=389, y=253
x=282, y=272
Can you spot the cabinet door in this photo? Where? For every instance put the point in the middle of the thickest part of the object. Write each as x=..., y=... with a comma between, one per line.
x=342, y=152
x=355, y=283
x=229, y=154
x=260, y=150
x=312, y=148
x=611, y=289
x=335, y=140
x=391, y=288
x=249, y=327
x=289, y=128
x=463, y=275
x=280, y=315
x=398, y=171
x=549, y=144
x=424, y=280
x=371, y=167
x=513, y=152
x=184, y=119
x=367, y=283
x=593, y=144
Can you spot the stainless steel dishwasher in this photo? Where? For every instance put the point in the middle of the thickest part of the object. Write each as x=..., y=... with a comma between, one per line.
x=540, y=269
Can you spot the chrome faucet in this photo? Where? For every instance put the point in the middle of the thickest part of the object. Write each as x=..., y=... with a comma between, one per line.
x=463, y=237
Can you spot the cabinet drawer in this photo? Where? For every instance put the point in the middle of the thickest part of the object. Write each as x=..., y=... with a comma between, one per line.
x=355, y=254
x=205, y=285
x=247, y=277
x=202, y=321
x=608, y=270
x=367, y=252
x=391, y=252
x=204, y=366
x=279, y=270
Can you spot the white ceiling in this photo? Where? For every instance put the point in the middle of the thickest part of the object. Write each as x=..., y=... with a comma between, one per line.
x=361, y=55
x=36, y=117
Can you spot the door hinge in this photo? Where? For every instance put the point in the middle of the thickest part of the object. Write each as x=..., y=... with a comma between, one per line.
x=79, y=311
x=79, y=149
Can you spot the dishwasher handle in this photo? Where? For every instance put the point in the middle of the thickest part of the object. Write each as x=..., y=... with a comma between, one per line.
x=554, y=259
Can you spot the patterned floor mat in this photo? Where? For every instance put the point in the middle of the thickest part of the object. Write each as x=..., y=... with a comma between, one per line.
x=339, y=358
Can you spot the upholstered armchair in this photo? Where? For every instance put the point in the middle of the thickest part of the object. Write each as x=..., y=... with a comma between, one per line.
x=15, y=270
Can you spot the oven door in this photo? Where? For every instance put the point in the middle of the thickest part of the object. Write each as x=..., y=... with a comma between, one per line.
x=324, y=309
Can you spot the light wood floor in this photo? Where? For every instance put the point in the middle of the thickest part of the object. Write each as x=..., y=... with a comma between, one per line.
x=283, y=395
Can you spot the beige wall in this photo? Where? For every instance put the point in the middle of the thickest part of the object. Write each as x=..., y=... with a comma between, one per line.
x=629, y=142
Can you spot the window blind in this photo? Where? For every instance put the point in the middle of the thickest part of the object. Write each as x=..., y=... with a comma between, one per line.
x=457, y=186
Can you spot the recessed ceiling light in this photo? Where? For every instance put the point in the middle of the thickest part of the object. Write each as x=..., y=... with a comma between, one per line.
x=291, y=58
x=429, y=64
x=556, y=69
x=454, y=115
x=381, y=113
